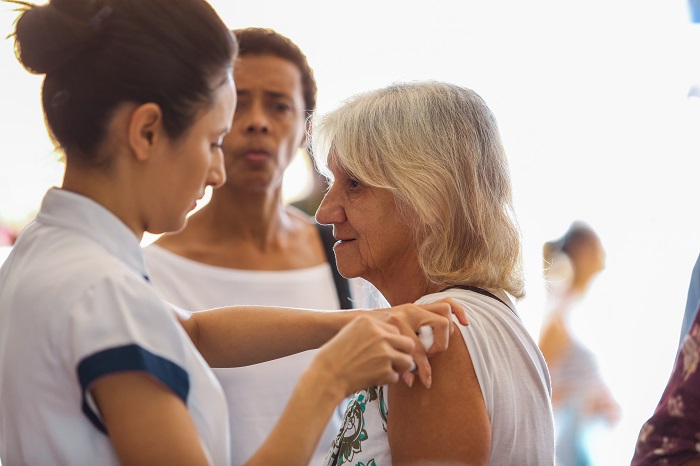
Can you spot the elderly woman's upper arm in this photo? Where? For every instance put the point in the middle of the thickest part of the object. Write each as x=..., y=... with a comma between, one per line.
x=446, y=423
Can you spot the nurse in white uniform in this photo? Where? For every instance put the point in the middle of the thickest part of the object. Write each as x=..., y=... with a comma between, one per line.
x=95, y=368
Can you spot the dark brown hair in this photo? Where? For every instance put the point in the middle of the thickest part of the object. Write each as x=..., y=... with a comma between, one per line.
x=262, y=41
x=97, y=54
x=579, y=236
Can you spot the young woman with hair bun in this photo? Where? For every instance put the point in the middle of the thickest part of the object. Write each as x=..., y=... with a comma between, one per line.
x=95, y=367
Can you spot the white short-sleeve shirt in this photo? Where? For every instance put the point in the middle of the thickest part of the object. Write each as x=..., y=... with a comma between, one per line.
x=75, y=305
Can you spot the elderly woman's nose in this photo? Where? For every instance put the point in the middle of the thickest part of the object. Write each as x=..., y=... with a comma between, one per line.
x=329, y=211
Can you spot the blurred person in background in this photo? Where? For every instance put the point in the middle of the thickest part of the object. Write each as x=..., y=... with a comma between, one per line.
x=246, y=246
x=692, y=302
x=580, y=397
x=671, y=436
x=7, y=237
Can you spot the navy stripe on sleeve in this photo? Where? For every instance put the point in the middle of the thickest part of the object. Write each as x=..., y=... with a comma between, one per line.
x=129, y=358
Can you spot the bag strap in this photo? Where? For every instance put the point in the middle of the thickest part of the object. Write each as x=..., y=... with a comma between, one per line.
x=342, y=286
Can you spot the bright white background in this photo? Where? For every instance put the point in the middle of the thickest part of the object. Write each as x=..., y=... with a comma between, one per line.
x=591, y=99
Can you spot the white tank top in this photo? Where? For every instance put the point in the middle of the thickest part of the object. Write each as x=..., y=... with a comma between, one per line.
x=514, y=383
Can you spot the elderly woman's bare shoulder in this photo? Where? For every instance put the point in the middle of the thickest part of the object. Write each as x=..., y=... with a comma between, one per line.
x=454, y=399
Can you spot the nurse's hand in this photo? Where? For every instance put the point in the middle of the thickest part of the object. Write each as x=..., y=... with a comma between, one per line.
x=409, y=318
x=366, y=352
x=380, y=346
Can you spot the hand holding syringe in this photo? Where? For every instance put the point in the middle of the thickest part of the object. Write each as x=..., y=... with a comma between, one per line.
x=425, y=335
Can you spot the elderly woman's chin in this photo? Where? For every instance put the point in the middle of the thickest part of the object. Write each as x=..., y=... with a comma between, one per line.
x=350, y=268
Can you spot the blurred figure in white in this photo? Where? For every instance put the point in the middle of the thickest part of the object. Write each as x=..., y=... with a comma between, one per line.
x=580, y=397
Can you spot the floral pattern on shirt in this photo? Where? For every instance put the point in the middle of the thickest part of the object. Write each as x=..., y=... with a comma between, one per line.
x=353, y=433
x=672, y=435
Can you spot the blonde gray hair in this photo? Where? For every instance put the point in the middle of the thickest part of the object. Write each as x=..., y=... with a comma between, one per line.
x=437, y=148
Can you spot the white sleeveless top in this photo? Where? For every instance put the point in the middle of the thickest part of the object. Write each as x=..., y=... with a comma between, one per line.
x=514, y=382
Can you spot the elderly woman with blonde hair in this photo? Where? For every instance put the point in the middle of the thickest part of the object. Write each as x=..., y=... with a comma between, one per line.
x=420, y=203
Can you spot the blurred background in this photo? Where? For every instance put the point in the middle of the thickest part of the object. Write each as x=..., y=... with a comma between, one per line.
x=598, y=103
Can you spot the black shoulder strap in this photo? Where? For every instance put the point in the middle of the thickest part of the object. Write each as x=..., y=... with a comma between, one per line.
x=481, y=291
x=342, y=286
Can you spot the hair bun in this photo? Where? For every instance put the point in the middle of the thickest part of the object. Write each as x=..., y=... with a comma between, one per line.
x=46, y=38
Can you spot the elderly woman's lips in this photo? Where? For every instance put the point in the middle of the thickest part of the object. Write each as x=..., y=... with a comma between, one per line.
x=342, y=242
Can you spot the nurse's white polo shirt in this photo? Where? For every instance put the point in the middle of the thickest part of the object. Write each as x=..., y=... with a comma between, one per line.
x=75, y=305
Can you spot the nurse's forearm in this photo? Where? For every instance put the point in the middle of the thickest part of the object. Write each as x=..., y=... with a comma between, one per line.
x=300, y=426
x=243, y=335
